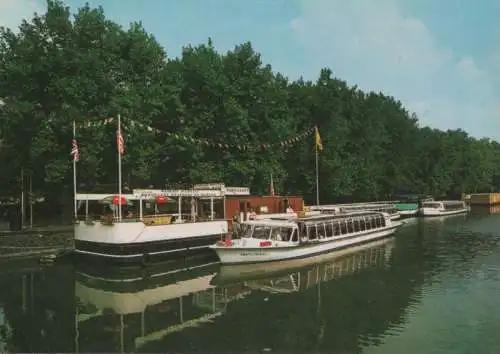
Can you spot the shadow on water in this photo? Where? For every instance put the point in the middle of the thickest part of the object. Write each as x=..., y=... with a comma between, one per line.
x=345, y=302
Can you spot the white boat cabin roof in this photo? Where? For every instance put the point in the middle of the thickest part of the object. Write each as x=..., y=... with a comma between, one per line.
x=211, y=191
x=272, y=222
x=291, y=222
x=447, y=202
x=334, y=207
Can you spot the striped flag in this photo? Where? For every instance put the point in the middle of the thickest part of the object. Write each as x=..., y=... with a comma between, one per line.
x=75, y=152
x=120, y=142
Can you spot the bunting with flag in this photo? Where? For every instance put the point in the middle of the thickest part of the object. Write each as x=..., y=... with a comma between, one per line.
x=285, y=144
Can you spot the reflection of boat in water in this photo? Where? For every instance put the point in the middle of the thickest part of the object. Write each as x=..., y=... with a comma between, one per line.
x=139, y=308
x=331, y=265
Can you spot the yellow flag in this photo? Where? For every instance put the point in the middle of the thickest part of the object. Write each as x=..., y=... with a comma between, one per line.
x=319, y=145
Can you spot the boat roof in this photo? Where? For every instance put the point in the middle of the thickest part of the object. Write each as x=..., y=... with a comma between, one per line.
x=276, y=222
x=446, y=201
x=292, y=221
x=353, y=206
x=138, y=194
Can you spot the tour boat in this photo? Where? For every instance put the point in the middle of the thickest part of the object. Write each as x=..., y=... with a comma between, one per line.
x=443, y=207
x=148, y=224
x=280, y=239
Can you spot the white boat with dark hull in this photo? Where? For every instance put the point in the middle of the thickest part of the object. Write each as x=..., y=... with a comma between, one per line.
x=155, y=223
x=443, y=208
x=282, y=239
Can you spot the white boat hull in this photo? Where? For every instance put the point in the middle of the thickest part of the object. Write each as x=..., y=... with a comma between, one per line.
x=235, y=255
x=437, y=212
x=132, y=240
x=407, y=213
x=236, y=273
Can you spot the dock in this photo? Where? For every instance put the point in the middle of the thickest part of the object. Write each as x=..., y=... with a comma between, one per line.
x=484, y=199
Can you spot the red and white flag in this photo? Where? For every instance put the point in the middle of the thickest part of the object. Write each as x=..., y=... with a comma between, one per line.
x=75, y=151
x=120, y=142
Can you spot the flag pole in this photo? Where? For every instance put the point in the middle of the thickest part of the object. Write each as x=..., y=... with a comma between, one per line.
x=119, y=172
x=317, y=175
x=75, y=205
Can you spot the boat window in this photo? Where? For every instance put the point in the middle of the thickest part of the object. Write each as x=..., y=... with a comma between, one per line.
x=377, y=221
x=321, y=230
x=382, y=222
x=343, y=226
x=350, y=226
x=373, y=221
x=281, y=233
x=261, y=232
x=313, y=233
x=245, y=230
x=336, y=228
x=362, y=225
x=356, y=225
x=295, y=235
x=329, y=229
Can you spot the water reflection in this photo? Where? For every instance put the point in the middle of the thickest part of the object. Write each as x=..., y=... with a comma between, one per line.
x=36, y=309
x=308, y=303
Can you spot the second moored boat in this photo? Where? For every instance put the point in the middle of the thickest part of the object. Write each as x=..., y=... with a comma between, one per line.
x=281, y=239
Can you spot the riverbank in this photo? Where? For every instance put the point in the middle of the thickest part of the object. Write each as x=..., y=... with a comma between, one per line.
x=35, y=243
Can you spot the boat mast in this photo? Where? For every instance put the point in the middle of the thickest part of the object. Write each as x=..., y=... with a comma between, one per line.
x=120, y=149
x=75, y=205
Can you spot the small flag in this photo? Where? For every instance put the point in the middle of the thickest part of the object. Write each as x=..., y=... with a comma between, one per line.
x=271, y=187
x=120, y=142
x=75, y=152
x=319, y=145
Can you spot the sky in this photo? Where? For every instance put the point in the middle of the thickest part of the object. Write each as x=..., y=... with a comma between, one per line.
x=440, y=58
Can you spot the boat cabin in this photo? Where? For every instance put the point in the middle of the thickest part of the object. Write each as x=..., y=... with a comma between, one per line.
x=204, y=202
x=289, y=232
x=445, y=205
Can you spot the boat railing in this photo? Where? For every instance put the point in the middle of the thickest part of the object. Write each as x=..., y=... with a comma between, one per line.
x=155, y=219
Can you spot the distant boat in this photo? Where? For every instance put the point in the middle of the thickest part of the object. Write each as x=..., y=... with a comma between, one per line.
x=280, y=239
x=408, y=205
x=443, y=207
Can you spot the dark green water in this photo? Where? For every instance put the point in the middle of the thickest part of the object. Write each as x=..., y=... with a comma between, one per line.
x=433, y=288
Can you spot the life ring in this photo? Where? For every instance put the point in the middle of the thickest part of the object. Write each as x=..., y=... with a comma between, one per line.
x=145, y=259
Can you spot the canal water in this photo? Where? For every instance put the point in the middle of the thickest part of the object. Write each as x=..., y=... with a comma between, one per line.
x=433, y=288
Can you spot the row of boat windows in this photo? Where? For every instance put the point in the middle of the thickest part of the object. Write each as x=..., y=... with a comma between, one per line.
x=344, y=226
x=318, y=230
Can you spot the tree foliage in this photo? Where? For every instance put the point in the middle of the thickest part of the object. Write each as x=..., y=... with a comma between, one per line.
x=59, y=68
